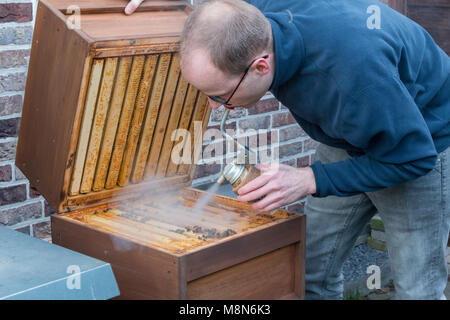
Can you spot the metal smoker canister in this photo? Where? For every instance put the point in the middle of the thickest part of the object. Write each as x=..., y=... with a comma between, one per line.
x=238, y=175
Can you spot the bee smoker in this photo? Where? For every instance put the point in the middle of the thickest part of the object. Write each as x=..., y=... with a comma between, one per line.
x=237, y=174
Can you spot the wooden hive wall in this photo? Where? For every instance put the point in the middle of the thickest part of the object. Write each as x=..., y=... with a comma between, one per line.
x=133, y=105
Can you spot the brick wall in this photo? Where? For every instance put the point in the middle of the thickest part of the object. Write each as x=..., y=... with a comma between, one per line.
x=21, y=208
x=25, y=210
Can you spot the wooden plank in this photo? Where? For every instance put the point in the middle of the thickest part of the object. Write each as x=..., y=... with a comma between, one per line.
x=204, y=104
x=142, y=233
x=104, y=196
x=183, y=217
x=76, y=129
x=112, y=122
x=163, y=117
x=269, y=276
x=109, y=47
x=50, y=103
x=103, y=6
x=196, y=139
x=124, y=124
x=150, y=117
x=98, y=124
x=63, y=18
x=219, y=216
x=86, y=125
x=138, y=118
x=111, y=26
x=140, y=270
x=220, y=201
x=248, y=245
x=185, y=120
x=172, y=126
x=127, y=49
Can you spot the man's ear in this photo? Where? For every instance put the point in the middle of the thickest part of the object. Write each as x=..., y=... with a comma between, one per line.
x=262, y=66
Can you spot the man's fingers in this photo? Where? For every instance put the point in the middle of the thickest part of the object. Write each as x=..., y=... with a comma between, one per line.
x=254, y=184
x=256, y=194
x=132, y=6
x=269, y=202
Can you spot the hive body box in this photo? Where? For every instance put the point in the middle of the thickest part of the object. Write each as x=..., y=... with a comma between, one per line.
x=103, y=108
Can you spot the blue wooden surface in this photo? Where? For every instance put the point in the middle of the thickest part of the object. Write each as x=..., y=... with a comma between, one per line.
x=34, y=269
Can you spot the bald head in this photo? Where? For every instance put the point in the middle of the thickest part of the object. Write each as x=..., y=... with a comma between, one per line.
x=232, y=32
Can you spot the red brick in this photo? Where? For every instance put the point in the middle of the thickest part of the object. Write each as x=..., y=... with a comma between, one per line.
x=16, y=12
x=205, y=170
x=19, y=174
x=282, y=119
x=209, y=149
x=13, y=216
x=5, y=173
x=13, y=194
x=256, y=123
x=9, y=127
x=212, y=134
x=14, y=58
x=290, y=149
x=16, y=35
x=264, y=106
x=10, y=105
x=8, y=150
x=12, y=82
x=291, y=132
x=310, y=144
x=268, y=155
x=230, y=125
x=42, y=230
x=303, y=162
x=217, y=114
x=290, y=162
x=34, y=193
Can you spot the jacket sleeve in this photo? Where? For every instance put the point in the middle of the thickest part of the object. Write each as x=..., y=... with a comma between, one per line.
x=384, y=121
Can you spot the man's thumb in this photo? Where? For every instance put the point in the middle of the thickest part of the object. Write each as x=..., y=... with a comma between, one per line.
x=132, y=6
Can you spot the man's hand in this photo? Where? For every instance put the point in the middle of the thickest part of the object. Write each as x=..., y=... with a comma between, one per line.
x=279, y=184
x=132, y=6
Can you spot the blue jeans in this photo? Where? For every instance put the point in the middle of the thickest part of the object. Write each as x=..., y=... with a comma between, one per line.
x=416, y=217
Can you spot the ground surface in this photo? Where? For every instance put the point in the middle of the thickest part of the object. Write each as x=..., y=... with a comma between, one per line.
x=355, y=275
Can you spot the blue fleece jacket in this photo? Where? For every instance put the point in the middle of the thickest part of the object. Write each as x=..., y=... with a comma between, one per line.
x=381, y=94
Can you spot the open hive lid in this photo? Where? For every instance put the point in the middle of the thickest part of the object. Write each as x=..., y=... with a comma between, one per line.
x=123, y=114
x=104, y=20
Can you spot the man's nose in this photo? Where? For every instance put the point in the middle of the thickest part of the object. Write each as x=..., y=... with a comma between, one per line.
x=214, y=104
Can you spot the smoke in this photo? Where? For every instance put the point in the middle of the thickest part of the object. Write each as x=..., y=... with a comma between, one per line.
x=165, y=216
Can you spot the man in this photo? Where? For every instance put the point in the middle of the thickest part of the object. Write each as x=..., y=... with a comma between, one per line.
x=378, y=100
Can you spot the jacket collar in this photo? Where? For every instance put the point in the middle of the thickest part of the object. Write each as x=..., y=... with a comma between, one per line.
x=288, y=45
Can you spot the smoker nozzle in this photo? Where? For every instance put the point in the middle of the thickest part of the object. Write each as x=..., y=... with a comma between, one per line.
x=231, y=169
x=221, y=179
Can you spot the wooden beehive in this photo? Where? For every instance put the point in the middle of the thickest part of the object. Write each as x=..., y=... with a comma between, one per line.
x=101, y=104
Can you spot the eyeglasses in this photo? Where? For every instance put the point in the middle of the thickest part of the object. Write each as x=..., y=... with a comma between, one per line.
x=226, y=103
